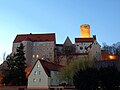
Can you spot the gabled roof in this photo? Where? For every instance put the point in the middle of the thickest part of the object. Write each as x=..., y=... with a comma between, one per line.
x=67, y=42
x=47, y=66
x=84, y=40
x=35, y=37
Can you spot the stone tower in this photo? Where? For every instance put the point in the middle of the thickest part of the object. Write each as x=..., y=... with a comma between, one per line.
x=85, y=31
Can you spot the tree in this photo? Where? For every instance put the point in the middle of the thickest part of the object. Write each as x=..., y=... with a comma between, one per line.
x=67, y=72
x=118, y=51
x=86, y=79
x=91, y=78
x=109, y=78
x=7, y=71
x=16, y=68
x=113, y=49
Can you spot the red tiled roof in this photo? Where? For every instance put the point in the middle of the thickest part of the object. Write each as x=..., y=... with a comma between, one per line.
x=48, y=66
x=35, y=37
x=84, y=40
x=27, y=39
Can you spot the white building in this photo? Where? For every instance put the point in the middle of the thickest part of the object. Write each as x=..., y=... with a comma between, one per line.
x=43, y=75
x=89, y=46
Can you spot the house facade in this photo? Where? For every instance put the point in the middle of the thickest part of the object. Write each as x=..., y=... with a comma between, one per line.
x=43, y=75
x=36, y=46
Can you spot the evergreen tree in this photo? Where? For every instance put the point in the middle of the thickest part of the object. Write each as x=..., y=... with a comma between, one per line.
x=16, y=68
x=7, y=71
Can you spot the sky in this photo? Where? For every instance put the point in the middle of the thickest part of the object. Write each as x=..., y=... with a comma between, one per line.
x=62, y=17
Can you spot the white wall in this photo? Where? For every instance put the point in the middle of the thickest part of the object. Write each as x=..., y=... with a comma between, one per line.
x=38, y=76
x=54, y=80
x=83, y=45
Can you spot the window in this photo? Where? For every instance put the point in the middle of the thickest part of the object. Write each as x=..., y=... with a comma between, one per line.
x=81, y=48
x=33, y=56
x=37, y=56
x=85, y=48
x=38, y=66
x=32, y=60
x=35, y=72
x=39, y=79
x=31, y=44
x=18, y=45
x=43, y=55
x=42, y=58
x=47, y=56
x=33, y=49
x=34, y=44
x=34, y=80
x=37, y=49
x=51, y=48
x=39, y=72
x=43, y=49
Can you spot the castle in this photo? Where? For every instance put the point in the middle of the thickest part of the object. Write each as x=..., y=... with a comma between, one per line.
x=44, y=57
x=44, y=46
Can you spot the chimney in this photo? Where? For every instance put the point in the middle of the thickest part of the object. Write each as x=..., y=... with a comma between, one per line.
x=94, y=36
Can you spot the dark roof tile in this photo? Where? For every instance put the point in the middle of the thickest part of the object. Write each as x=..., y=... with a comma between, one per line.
x=35, y=37
x=84, y=40
x=48, y=66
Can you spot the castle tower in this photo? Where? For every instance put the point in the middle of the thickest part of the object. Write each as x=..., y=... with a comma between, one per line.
x=85, y=31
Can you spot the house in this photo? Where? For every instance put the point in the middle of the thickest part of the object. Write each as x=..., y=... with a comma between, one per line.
x=43, y=74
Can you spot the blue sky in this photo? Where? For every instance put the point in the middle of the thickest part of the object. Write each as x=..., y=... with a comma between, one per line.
x=62, y=17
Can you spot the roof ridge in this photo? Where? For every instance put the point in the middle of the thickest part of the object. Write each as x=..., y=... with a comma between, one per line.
x=35, y=37
x=36, y=34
